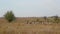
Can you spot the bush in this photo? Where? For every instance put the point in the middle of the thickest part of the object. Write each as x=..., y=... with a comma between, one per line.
x=56, y=19
x=9, y=16
x=37, y=20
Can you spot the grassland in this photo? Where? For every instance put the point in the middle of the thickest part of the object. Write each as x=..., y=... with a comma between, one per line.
x=28, y=26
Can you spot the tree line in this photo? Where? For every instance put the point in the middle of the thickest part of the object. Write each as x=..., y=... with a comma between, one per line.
x=9, y=16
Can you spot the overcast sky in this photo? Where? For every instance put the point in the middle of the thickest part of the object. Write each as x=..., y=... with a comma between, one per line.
x=31, y=8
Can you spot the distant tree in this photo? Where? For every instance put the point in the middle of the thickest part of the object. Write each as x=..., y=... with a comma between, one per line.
x=45, y=18
x=9, y=16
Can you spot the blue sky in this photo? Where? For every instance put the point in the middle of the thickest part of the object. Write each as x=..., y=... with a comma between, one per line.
x=30, y=8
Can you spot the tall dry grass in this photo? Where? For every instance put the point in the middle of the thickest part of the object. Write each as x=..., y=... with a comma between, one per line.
x=21, y=27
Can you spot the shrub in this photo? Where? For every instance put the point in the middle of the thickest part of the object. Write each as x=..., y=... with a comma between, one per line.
x=9, y=16
x=56, y=19
x=37, y=20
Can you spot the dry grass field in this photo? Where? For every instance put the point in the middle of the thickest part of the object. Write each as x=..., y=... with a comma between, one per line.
x=27, y=26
